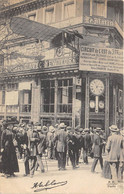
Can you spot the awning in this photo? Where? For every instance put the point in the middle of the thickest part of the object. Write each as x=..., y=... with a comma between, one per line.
x=11, y=98
x=25, y=85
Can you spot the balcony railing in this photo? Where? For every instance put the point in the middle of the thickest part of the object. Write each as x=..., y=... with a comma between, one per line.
x=11, y=108
x=64, y=108
x=25, y=108
x=47, y=108
x=2, y=108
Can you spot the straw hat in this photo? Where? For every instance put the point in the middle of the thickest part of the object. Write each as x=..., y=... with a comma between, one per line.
x=114, y=128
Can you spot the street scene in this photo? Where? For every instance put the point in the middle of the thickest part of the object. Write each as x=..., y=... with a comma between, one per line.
x=79, y=181
x=61, y=96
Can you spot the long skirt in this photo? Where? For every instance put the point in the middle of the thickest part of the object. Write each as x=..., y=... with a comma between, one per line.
x=9, y=159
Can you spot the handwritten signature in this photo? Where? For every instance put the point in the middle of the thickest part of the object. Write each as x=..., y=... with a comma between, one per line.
x=48, y=185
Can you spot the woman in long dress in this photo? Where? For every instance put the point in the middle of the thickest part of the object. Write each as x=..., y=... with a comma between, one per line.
x=9, y=159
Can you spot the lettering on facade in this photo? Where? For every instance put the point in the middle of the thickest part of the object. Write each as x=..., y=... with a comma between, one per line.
x=98, y=21
x=101, y=59
x=63, y=61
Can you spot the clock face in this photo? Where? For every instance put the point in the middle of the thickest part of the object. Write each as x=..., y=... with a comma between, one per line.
x=97, y=87
x=59, y=51
x=92, y=104
x=101, y=104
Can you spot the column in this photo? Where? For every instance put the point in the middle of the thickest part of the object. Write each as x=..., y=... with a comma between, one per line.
x=73, y=102
x=35, y=102
x=107, y=107
x=55, y=101
x=83, y=89
x=87, y=103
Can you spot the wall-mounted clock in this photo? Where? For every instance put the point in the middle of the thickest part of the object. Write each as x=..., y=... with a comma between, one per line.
x=59, y=51
x=97, y=87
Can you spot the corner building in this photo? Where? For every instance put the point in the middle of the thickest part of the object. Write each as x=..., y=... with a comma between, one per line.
x=52, y=82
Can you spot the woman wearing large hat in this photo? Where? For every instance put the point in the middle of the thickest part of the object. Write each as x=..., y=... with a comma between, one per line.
x=9, y=159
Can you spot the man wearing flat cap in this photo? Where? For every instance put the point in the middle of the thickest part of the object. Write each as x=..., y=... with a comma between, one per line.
x=115, y=150
x=61, y=146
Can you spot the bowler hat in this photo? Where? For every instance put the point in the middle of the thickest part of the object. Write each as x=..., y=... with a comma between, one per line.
x=68, y=128
x=114, y=128
x=62, y=125
x=86, y=130
x=44, y=129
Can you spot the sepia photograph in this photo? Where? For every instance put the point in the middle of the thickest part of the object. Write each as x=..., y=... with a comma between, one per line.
x=61, y=97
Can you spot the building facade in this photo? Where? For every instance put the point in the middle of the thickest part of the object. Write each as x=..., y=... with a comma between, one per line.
x=51, y=82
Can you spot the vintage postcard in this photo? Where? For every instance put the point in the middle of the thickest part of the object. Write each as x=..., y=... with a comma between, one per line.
x=61, y=96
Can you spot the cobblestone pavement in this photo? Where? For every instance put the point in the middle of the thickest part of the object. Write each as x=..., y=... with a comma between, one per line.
x=78, y=181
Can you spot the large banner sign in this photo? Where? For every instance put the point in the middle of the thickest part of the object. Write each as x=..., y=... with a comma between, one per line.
x=101, y=59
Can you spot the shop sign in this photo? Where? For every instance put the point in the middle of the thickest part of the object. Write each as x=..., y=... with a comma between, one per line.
x=101, y=59
x=63, y=61
x=98, y=21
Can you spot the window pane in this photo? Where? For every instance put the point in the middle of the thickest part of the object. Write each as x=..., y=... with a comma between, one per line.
x=59, y=95
x=65, y=95
x=49, y=15
x=60, y=83
x=52, y=95
x=70, y=95
x=70, y=82
x=69, y=10
x=65, y=82
x=99, y=7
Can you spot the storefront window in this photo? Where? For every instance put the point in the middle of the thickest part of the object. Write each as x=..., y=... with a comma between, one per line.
x=65, y=96
x=2, y=98
x=47, y=93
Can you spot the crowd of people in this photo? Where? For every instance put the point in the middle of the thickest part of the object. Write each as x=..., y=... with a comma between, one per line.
x=32, y=142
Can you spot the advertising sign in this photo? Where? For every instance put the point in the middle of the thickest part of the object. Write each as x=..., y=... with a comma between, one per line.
x=101, y=59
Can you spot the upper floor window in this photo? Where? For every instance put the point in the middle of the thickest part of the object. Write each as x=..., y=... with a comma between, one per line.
x=32, y=16
x=49, y=15
x=98, y=8
x=68, y=9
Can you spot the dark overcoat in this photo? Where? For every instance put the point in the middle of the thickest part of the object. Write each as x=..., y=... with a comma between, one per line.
x=10, y=163
x=97, y=146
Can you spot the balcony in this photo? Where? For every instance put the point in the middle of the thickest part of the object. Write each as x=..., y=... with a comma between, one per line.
x=2, y=108
x=11, y=108
x=25, y=108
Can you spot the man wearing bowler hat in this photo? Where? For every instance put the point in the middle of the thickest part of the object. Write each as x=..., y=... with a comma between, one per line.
x=61, y=146
x=115, y=149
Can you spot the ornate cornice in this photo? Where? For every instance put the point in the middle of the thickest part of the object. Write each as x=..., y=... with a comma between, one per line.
x=25, y=6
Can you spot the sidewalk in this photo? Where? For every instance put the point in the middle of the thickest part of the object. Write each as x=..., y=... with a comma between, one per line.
x=79, y=181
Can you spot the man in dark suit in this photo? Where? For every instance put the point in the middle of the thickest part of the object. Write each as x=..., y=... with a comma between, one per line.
x=61, y=146
x=33, y=139
x=87, y=145
x=97, y=149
